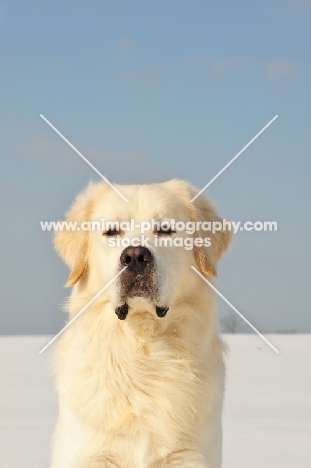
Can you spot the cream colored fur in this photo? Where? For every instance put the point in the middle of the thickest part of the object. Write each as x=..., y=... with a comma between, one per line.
x=145, y=392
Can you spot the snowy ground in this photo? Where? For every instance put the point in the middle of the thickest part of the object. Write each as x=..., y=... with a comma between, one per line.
x=267, y=416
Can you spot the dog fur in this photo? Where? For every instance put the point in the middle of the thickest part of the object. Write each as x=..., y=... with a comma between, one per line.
x=147, y=391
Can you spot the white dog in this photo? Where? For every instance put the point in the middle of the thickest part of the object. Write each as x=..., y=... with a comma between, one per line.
x=140, y=373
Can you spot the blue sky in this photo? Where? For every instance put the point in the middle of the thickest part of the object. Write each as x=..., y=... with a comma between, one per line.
x=151, y=90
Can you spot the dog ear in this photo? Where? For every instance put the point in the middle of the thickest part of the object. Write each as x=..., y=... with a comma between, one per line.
x=201, y=210
x=72, y=245
x=208, y=257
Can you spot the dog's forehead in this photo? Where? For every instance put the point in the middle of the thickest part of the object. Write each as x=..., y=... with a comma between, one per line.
x=144, y=202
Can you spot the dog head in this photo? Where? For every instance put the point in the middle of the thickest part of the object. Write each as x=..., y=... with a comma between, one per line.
x=140, y=238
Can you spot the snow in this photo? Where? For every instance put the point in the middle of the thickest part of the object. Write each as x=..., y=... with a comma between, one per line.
x=267, y=414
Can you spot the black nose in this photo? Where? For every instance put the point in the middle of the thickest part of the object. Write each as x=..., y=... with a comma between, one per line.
x=136, y=258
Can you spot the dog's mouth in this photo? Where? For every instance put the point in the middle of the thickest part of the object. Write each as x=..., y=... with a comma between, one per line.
x=141, y=283
x=135, y=283
x=122, y=311
x=141, y=286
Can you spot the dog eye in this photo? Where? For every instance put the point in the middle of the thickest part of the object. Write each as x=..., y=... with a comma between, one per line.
x=111, y=232
x=165, y=230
